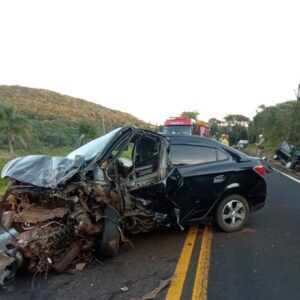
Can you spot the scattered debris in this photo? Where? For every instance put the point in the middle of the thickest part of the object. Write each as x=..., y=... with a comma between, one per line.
x=124, y=289
x=80, y=266
x=154, y=293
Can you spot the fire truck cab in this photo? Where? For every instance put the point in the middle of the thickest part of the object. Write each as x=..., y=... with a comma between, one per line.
x=179, y=125
x=186, y=125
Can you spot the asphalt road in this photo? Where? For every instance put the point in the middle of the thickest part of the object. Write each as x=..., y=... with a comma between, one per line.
x=260, y=262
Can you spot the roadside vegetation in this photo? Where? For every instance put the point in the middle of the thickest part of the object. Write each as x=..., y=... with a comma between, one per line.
x=34, y=121
x=276, y=123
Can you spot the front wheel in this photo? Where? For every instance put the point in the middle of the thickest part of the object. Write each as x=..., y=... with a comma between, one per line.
x=232, y=213
x=110, y=241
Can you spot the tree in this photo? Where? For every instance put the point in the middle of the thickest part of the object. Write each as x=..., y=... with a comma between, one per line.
x=191, y=114
x=87, y=129
x=278, y=122
x=214, y=121
x=13, y=126
x=237, y=120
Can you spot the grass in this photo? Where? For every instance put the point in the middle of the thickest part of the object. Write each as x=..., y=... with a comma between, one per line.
x=268, y=151
x=47, y=104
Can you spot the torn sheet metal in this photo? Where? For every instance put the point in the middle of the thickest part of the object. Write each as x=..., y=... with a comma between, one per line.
x=39, y=214
x=59, y=204
x=42, y=170
x=5, y=267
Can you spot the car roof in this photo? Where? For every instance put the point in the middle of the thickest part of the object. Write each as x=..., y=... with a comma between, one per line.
x=191, y=139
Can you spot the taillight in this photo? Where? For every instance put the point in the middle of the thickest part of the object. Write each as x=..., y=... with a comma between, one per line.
x=259, y=169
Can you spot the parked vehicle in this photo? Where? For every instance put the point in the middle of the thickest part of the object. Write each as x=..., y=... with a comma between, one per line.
x=288, y=155
x=128, y=181
x=242, y=144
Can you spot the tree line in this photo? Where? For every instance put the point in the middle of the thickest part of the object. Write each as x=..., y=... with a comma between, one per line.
x=276, y=123
x=30, y=131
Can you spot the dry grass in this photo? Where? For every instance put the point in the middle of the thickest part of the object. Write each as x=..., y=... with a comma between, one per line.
x=47, y=104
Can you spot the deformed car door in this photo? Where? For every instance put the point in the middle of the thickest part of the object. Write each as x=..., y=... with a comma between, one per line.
x=160, y=192
x=206, y=171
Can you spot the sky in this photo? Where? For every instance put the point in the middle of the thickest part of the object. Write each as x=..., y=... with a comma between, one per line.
x=155, y=59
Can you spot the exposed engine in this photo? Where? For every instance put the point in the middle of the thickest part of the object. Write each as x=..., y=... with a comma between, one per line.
x=56, y=227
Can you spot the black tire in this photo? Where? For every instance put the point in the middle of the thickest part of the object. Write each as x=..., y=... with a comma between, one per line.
x=297, y=167
x=232, y=220
x=110, y=240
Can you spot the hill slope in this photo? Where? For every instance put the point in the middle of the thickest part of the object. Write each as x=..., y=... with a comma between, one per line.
x=48, y=104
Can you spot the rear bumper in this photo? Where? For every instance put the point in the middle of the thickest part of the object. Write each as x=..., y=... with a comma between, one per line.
x=258, y=196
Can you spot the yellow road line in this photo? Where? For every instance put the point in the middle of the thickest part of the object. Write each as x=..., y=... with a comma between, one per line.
x=201, y=278
x=177, y=283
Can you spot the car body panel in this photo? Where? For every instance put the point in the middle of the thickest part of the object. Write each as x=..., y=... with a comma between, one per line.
x=42, y=170
x=133, y=174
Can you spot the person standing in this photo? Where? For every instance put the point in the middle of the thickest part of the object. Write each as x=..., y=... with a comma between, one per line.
x=260, y=146
x=224, y=140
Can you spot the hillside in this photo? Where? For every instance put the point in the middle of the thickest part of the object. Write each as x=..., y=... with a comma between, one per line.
x=47, y=104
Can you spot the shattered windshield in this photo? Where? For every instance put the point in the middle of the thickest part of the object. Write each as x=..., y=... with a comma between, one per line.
x=94, y=147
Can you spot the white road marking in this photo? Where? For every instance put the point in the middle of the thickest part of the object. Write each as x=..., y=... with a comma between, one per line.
x=288, y=176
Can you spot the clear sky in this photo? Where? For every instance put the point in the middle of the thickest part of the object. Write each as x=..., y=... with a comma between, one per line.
x=155, y=59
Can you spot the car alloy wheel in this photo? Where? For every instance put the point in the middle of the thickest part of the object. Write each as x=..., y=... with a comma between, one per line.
x=233, y=213
x=275, y=157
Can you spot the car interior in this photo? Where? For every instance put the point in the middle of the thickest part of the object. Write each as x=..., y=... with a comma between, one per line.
x=138, y=163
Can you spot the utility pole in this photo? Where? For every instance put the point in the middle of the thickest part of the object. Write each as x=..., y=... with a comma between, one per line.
x=103, y=124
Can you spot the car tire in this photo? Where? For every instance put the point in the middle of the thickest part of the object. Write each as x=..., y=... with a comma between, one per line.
x=232, y=213
x=297, y=167
x=110, y=240
x=275, y=157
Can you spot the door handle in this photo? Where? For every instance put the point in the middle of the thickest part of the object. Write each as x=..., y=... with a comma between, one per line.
x=219, y=178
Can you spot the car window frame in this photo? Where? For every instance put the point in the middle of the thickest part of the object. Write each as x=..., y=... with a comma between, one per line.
x=217, y=161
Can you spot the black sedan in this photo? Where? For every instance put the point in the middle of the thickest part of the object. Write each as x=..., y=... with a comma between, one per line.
x=128, y=181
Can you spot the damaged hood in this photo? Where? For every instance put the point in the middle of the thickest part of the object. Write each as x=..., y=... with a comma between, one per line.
x=42, y=170
x=51, y=171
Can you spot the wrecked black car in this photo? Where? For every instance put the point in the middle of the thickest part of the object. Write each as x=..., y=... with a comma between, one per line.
x=128, y=181
x=288, y=155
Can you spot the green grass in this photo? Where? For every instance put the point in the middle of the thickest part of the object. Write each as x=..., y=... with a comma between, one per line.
x=3, y=182
x=268, y=151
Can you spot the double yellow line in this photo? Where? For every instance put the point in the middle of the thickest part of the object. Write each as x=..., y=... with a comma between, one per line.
x=201, y=277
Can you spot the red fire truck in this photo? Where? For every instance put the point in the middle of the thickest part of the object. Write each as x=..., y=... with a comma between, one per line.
x=186, y=125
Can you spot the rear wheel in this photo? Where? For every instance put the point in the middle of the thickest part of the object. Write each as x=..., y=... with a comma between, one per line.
x=110, y=240
x=232, y=213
